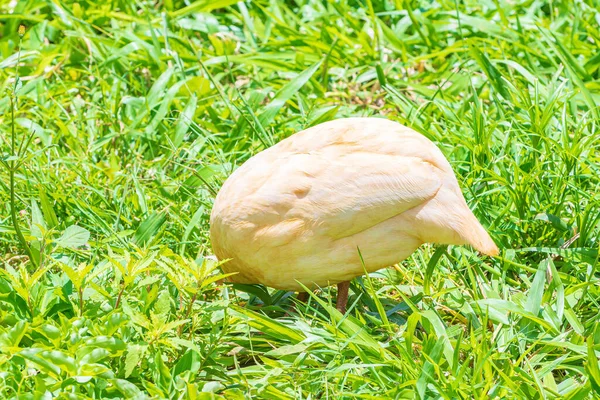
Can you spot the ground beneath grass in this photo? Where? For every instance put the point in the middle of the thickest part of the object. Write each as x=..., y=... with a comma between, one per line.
x=119, y=121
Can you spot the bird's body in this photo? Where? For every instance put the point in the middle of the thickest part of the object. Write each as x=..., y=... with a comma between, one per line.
x=300, y=210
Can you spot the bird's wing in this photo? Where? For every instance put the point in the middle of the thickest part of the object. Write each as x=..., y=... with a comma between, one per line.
x=341, y=196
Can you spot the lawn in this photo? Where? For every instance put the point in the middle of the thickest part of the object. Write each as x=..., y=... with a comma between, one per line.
x=120, y=120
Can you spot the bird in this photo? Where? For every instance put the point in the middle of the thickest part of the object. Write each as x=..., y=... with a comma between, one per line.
x=337, y=199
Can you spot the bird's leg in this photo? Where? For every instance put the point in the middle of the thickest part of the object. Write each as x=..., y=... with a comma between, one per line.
x=302, y=296
x=342, y=296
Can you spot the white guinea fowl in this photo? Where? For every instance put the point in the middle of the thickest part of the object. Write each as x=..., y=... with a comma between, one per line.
x=298, y=211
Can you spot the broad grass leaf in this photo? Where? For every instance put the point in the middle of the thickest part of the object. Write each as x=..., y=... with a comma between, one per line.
x=73, y=237
x=591, y=367
x=549, y=367
x=576, y=72
x=372, y=292
x=73, y=275
x=128, y=389
x=35, y=129
x=323, y=114
x=202, y=6
x=149, y=227
x=433, y=353
x=574, y=321
x=92, y=357
x=189, y=362
x=288, y=349
x=257, y=290
x=47, y=208
x=531, y=78
x=87, y=371
x=566, y=56
x=351, y=366
x=587, y=255
x=441, y=332
x=554, y=220
x=162, y=307
x=536, y=292
x=18, y=302
x=492, y=73
x=161, y=373
x=536, y=379
x=12, y=337
x=60, y=359
x=560, y=290
x=51, y=332
x=186, y=344
x=45, y=366
x=433, y=261
x=207, y=282
x=110, y=343
x=185, y=120
x=135, y=352
x=201, y=176
x=272, y=393
x=286, y=93
x=190, y=227
x=411, y=325
x=380, y=75
x=163, y=109
x=270, y=327
x=396, y=42
x=11, y=61
x=122, y=53
x=197, y=86
x=592, y=64
x=37, y=275
x=484, y=25
x=137, y=318
x=37, y=221
x=114, y=322
x=509, y=306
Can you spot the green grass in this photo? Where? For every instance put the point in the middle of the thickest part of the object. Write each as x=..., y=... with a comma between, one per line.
x=129, y=115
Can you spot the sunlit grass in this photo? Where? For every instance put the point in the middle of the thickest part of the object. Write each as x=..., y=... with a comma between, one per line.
x=138, y=111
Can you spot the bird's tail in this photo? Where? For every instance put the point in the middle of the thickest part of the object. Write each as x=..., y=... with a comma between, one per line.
x=476, y=235
x=447, y=219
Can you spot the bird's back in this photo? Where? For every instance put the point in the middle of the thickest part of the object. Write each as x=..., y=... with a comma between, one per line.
x=298, y=210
